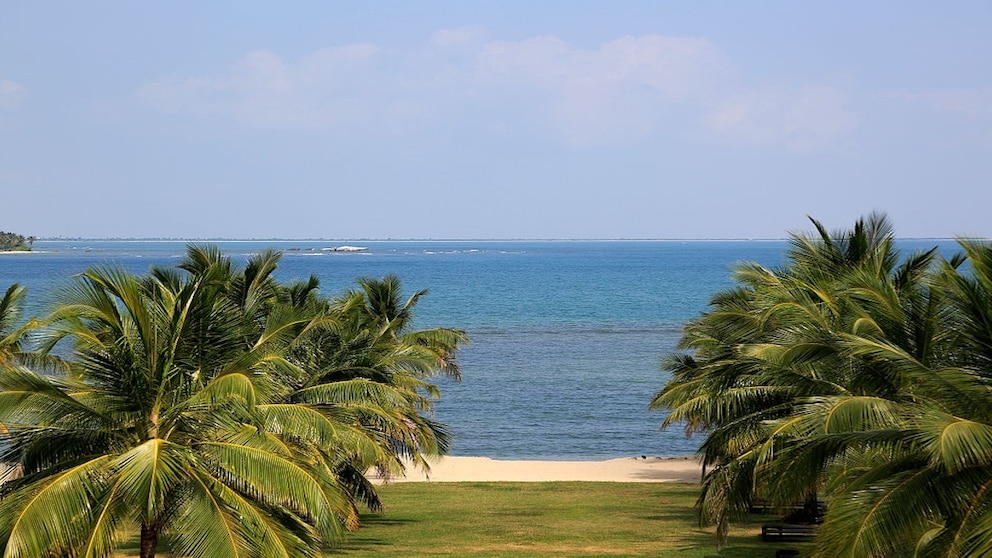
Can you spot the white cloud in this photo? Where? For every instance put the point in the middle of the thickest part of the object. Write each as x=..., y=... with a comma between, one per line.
x=802, y=120
x=623, y=90
x=12, y=94
x=263, y=90
x=673, y=66
x=467, y=35
x=535, y=60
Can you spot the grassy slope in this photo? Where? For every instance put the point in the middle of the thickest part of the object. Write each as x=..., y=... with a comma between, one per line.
x=544, y=519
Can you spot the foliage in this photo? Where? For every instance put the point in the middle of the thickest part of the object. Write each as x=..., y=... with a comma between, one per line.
x=13, y=241
x=855, y=374
x=11, y=336
x=190, y=411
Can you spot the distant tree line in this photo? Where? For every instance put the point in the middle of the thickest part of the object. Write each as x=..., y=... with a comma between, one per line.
x=14, y=241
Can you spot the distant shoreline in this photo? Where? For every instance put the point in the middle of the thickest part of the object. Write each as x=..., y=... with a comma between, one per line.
x=345, y=240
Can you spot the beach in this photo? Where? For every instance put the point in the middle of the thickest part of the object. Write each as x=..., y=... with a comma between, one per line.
x=626, y=469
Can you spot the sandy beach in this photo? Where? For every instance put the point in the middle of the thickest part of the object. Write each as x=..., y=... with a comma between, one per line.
x=627, y=469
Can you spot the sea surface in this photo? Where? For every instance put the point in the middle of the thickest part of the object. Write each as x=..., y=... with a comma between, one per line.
x=567, y=336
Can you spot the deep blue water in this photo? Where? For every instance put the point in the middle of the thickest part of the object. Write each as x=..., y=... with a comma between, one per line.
x=567, y=336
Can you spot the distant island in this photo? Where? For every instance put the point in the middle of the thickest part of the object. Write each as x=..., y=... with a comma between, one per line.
x=15, y=242
x=345, y=249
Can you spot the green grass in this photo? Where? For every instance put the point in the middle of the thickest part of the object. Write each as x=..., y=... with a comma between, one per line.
x=519, y=520
x=546, y=519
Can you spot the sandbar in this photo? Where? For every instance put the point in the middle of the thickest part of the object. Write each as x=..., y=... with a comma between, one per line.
x=625, y=469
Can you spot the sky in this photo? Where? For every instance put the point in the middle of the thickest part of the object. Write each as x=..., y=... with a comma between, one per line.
x=493, y=119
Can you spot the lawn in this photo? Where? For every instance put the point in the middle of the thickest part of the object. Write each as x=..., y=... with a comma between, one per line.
x=545, y=519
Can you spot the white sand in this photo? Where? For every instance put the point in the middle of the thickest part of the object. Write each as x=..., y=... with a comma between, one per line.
x=628, y=469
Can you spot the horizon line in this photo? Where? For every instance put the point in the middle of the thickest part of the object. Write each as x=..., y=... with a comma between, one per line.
x=481, y=239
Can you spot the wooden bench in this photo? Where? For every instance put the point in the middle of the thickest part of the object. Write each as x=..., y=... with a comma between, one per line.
x=786, y=531
x=765, y=507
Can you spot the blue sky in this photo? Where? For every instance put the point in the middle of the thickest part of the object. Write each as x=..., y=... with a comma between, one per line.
x=503, y=119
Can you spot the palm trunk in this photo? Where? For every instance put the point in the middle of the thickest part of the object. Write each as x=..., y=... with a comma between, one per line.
x=149, y=540
x=149, y=531
x=154, y=424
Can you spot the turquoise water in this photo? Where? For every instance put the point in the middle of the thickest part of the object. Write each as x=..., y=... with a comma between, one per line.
x=567, y=336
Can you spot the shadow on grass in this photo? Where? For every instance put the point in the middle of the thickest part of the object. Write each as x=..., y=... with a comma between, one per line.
x=372, y=535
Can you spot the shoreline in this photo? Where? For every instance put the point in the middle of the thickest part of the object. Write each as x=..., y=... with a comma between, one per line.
x=485, y=469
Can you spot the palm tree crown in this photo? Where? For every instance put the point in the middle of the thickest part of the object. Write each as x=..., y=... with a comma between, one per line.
x=855, y=374
x=192, y=416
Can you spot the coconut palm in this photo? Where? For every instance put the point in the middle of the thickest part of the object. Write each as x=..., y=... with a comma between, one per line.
x=212, y=410
x=917, y=467
x=853, y=375
x=364, y=345
x=12, y=335
x=156, y=431
x=379, y=307
x=764, y=347
x=356, y=378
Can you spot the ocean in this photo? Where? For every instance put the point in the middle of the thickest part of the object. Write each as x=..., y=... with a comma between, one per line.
x=567, y=336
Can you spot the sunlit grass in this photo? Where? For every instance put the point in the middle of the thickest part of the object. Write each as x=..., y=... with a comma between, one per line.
x=521, y=520
x=545, y=519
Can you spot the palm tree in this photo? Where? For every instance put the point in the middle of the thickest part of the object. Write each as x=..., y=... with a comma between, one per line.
x=11, y=336
x=156, y=428
x=364, y=346
x=212, y=410
x=736, y=382
x=853, y=375
x=379, y=307
x=917, y=477
x=355, y=378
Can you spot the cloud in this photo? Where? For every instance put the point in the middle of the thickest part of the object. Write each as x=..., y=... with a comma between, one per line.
x=586, y=93
x=974, y=103
x=622, y=90
x=672, y=66
x=12, y=94
x=262, y=90
x=467, y=35
x=802, y=119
